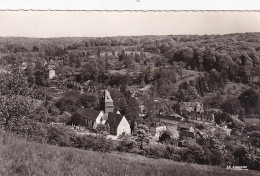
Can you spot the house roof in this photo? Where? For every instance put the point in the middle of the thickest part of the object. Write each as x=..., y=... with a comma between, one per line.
x=240, y=138
x=210, y=116
x=169, y=116
x=114, y=119
x=88, y=113
x=190, y=103
x=200, y=133
x=152, y=130
x=184, y=126
x=194, y=114
x=187, y=134
x=51, y=66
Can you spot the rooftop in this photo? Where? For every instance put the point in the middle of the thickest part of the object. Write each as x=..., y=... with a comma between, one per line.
x=88, y=113
x=114, y=119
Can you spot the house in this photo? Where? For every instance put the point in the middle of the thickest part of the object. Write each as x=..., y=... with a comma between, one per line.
x=186, y=135
x=254, y=78
x=186, y=138
x=235, y=121
x=24, y=65
x=198, y=117
x=191, y=106
x=118, y=124
x=88, y=117
x=186, y=127
x=239, y=140
x=169, y=119
x=51, y=73
x=157, y=128
x=199, y=134
x=173, y=116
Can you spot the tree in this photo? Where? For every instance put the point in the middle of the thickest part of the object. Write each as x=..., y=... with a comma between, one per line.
x=120, y=102
x=255, y=138
x=231, y=105
x=30, y=73
x=240, y=156
x=102, y=129
x=14, y=109
x=165, y=137
x=132, y=109
x=15, y=82
x=88, y=100
x=249, y=100
x=142, y=133
x=194, y=154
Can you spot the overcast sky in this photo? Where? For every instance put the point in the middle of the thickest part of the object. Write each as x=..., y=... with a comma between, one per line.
x=100, y=24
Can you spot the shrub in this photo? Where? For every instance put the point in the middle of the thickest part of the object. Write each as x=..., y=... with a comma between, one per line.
x=126, y=144
x=156, y=151
x=59, y=135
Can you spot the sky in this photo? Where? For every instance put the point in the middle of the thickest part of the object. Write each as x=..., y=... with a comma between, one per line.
x=45, y=24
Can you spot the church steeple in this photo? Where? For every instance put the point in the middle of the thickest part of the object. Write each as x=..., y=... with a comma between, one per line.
x=106, y=102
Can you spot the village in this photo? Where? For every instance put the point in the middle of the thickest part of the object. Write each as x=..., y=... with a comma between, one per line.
x=187, y=122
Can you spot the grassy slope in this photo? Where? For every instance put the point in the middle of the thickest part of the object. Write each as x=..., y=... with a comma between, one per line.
x=18, y=157
x=235, y=89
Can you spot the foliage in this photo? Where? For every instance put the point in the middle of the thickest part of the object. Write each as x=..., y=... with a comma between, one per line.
x=231, y=105
x=249, y=100
x=142, y=133
x=165, y=136
x=102, y=129
x=88, y=100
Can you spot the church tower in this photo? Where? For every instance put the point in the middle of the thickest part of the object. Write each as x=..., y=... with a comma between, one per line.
x=106, y=102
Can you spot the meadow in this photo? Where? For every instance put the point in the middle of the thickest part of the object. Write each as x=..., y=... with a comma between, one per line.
x=20, y=157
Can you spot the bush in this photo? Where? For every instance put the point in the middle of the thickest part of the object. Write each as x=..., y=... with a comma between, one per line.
x=59, y=135
x=97, y=144
x=194, y=154
x=156, y=151
x=126, y=145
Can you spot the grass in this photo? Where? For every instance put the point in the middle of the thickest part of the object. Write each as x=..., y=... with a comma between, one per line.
x=19, y=157
x=235, y=89
x=252, y=121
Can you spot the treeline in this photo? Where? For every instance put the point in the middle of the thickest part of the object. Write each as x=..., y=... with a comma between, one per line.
x=236, y=55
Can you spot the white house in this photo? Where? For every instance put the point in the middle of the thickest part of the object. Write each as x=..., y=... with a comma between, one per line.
x=51, y=73
x=118, y=124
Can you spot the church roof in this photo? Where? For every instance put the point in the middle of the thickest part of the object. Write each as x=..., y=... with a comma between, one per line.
x=192, y=104
x=114, y=119
x=106, y=97
x=88, y=113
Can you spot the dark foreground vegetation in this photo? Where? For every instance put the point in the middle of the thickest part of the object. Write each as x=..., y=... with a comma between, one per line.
x=19, y=157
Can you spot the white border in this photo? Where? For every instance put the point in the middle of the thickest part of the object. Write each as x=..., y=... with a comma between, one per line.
x=130, y=5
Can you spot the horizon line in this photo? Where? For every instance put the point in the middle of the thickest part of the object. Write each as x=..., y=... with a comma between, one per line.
x=156, y=35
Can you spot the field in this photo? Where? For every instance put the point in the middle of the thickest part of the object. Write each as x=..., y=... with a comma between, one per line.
x=19, y=157
x=235, y=89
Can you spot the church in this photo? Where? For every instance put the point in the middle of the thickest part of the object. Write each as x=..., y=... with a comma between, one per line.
x=117, y=123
